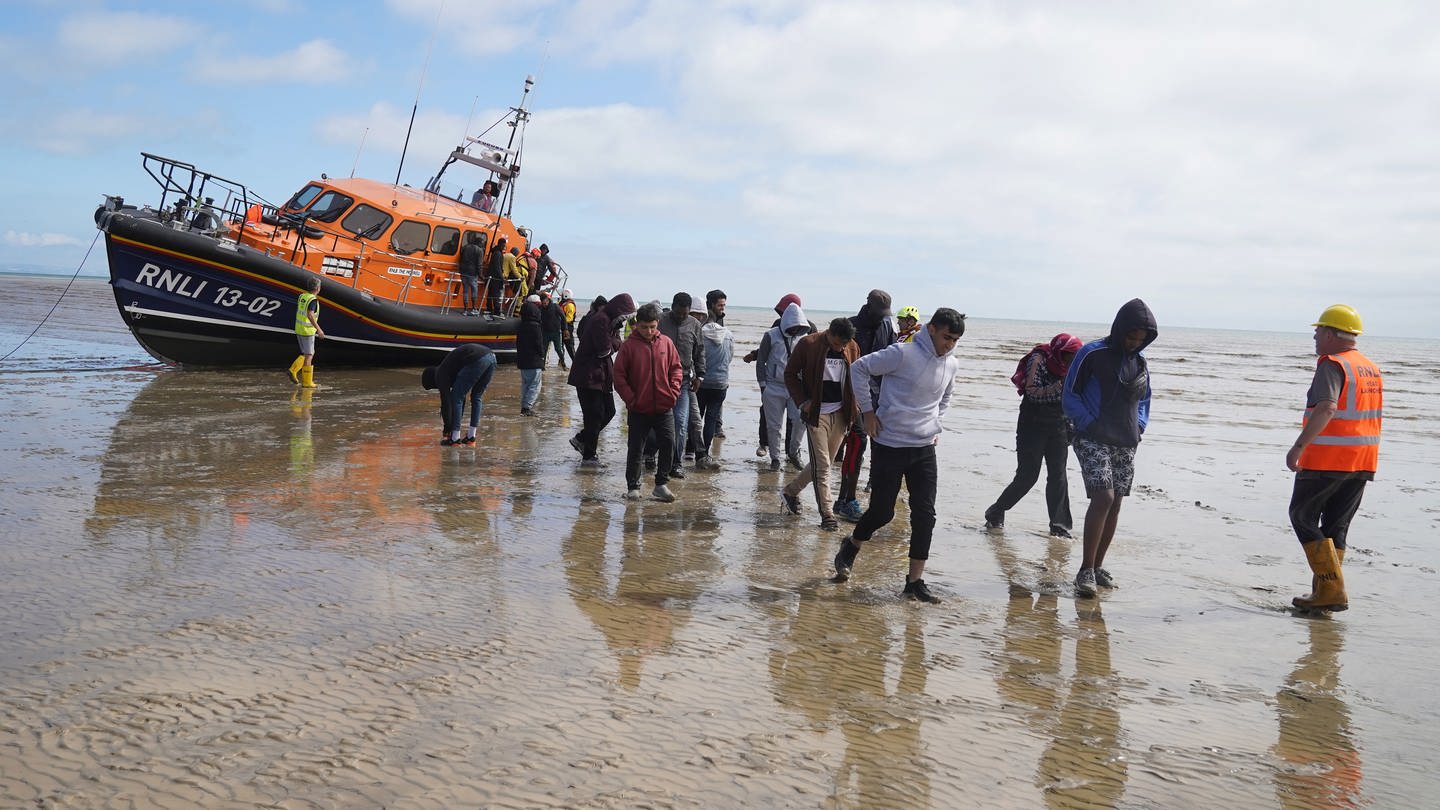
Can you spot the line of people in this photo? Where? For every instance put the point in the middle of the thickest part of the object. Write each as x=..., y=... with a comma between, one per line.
x=509, y=275
x=862, y=379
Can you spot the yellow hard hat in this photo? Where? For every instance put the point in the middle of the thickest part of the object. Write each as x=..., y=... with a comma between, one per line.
x=909, y=312
x=1340, y=316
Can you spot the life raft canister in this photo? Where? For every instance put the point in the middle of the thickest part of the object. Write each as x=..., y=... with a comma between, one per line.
x=1350, y=441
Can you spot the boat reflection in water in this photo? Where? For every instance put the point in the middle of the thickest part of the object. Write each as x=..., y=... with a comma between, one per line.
x=205, y=455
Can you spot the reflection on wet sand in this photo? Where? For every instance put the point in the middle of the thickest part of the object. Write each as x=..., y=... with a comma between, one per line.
x=663, y=565
x=831, y=668
x=1083, y=765
x=1319, y=763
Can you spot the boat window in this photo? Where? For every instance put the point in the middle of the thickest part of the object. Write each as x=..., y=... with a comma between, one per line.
x=329, y=207
x=302, y=198
x=410, y=236
x=446, y=240
x=479, y=239
x=366, y=221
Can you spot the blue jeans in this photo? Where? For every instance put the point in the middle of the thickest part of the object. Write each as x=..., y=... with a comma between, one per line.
x=529, y=387
x=712, y=405
x=681, y=412
x=473, y=379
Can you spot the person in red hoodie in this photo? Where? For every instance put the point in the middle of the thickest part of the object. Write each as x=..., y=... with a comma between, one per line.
x=648, y=377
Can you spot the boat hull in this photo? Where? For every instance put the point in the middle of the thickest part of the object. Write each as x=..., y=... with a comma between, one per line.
x=196, y=300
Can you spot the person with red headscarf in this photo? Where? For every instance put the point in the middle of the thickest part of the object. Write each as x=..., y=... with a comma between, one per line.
x=1041, y=434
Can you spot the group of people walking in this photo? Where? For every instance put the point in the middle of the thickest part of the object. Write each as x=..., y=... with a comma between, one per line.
x=862, y=379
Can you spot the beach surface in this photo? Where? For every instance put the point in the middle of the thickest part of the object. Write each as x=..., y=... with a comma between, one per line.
x=221, y=591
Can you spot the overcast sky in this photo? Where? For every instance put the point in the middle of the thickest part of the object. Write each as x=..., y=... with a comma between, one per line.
x=1235, y=164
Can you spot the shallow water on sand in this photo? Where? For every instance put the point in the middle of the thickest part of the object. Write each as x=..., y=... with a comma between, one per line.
x=221, y=591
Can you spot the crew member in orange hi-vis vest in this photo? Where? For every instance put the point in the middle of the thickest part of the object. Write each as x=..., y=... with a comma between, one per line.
x=1335, y=454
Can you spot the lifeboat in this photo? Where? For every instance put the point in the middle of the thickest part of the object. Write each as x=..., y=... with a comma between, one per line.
x=209, y=275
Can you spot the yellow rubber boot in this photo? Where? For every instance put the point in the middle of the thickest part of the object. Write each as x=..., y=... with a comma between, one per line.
x=295, y=368
x=1329, y=593
x=307, y=380
x=1315, y=580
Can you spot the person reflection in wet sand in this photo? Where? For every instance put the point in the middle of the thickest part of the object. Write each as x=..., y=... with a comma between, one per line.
x=302, y=449
x=661, y=567
x=1083, y=766
x=1319, y=764
x=1032, y=634
x=831, y=668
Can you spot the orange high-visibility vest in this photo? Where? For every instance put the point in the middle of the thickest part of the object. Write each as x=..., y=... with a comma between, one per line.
x=1350, y=442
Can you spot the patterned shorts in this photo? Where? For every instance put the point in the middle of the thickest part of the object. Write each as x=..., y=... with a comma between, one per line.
x=1105, y=466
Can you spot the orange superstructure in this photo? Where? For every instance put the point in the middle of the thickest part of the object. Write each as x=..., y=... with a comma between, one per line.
x=398, y=243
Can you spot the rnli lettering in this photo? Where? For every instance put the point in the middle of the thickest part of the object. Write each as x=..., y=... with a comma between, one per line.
x=171, y=281
x=404, y=271
x=183, y=284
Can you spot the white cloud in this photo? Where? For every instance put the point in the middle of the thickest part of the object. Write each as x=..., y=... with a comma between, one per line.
x=121, y=38
x=22, y=239
x=314, y=62
x=81, y=131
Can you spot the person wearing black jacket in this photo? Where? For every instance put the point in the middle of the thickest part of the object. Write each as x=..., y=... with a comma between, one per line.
x=552, y=322
x=529, y=354
x=593, y=372
x=472, y=256
x=495, y=277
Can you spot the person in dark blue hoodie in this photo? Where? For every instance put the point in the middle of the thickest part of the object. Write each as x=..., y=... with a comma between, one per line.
x=1107, y=398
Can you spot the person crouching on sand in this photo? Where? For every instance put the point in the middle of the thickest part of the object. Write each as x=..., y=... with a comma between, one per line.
x=466, y=370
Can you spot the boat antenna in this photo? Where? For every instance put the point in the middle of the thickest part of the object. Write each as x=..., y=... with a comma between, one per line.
x=358, y=150
x=416, y=106
x=522, y=116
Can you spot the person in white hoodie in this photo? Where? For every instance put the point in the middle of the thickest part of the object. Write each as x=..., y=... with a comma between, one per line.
x=904, y=427
x=771, y=357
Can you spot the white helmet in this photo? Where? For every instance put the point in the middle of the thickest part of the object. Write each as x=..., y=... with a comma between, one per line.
x=565, y=293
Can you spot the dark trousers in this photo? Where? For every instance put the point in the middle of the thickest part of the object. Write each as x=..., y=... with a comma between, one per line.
x=712, y=404
x=1323, y=506
x=640, y=425
x=494, y=289
x=1041, y=438
x=598, y=408
x=553, y=339
x=917, y=468
x=569, y=339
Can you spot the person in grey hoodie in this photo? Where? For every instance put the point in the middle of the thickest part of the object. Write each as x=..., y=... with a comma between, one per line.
x=719, y=351
x=904, y=425
x=771, y=358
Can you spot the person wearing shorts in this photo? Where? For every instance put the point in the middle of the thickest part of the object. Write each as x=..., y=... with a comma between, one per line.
x=1107, y=397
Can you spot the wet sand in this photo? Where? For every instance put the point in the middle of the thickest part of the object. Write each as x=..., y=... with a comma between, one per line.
x=223, y=592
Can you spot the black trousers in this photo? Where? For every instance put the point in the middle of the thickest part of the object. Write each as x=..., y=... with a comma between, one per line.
x=1323, y=506
x=640, y=425
x=889, y=466
x=598, y=408
x=1041, y=438
x=712, y=407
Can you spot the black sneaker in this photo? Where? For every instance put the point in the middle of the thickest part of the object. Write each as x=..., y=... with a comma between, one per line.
x=575, y=443
x=467, y=440
x=677, y=473
x=917, y=590
x=829, y=524
x=1061, y=531
x=792, y=503
x=448, y=442
x=994, y=518
x=845, y=558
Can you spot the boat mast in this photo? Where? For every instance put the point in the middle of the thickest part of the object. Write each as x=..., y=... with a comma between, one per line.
x=517, y=124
